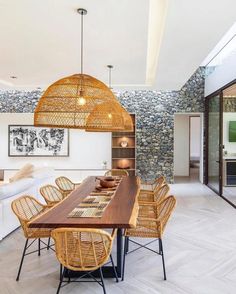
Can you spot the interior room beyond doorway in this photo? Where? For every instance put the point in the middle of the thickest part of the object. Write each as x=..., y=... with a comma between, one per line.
x=188, y=147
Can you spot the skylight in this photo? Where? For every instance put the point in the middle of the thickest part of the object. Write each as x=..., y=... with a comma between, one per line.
x=222, y=51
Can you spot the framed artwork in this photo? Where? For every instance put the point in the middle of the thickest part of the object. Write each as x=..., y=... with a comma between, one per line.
x=37, y=141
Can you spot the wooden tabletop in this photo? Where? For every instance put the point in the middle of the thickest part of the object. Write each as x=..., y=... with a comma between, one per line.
x=121, y=212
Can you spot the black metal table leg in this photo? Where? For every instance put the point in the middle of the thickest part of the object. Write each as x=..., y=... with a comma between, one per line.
x=119, y=252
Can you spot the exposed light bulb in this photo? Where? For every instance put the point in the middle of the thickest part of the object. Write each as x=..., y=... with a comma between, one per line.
x=81, y=101
x=109, y=115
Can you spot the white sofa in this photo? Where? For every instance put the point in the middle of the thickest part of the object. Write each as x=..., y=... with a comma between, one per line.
x=10, y=192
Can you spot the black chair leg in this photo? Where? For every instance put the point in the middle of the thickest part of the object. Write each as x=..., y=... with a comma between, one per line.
x=127, y=245
x=68, y=273
x=48, y=247
x=61, y=279
x=159, y=241
x=163, y=259
x=61, y=271
x=22, y=259
x=114, y=269
x=39, y=247
x=102, y=280
x=124, y=254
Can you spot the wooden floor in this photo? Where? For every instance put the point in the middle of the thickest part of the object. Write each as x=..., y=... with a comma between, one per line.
x=200, y=251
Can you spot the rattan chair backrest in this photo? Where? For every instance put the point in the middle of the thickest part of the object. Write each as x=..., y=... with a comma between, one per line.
x=26, y=208
x=64, y=184
x=51, y=194
x=161, y=193
x=82, y=249
x=165, y=209
x=159, y=183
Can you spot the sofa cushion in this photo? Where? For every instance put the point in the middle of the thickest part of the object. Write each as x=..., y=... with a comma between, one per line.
x=24, y=172
x=8, y=190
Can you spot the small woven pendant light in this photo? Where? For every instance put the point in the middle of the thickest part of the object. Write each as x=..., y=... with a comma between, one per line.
x=101, y=110
x=80, y=101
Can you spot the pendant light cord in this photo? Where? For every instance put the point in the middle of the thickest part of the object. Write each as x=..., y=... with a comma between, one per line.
x=82, y=43
x=82, y=12
x=110, y=67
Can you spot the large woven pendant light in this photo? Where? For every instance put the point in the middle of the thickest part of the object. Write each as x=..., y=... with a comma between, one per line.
x=80, y=101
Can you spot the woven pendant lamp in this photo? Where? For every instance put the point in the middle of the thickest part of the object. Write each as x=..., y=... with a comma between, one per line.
x=101, y=110
x=80, y=101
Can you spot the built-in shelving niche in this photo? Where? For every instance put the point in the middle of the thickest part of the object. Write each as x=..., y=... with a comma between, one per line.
x=124, y=157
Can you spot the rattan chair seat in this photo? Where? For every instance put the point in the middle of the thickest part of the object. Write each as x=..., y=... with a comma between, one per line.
x=146, y=228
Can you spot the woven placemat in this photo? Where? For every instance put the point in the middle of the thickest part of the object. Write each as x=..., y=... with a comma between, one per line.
x=95, y=203
x=86, y=212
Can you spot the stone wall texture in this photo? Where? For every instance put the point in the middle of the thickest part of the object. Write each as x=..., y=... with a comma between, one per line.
x=154, y=116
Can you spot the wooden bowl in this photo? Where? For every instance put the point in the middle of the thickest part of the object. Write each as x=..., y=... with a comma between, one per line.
x=107, y=183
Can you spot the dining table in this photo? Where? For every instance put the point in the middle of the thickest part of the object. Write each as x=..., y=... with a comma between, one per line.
x=121, y=213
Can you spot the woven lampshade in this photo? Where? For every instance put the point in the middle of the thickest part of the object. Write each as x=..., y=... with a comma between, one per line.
x=128, y=122
x=105, y=110
x=82, y=102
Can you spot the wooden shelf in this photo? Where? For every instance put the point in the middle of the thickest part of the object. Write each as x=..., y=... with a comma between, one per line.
x=123, y=147
x=124, y=156
x=123, y=135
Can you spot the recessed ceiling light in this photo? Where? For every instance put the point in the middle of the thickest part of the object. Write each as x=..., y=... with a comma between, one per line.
x=13, y=77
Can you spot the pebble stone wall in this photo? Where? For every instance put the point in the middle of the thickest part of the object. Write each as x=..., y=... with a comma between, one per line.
x=154, y=115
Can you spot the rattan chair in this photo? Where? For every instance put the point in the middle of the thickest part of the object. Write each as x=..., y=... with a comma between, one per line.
x=151, y=186
x=27, y=208
x=83, y=250
x=149, y=195
x=155, y=197
x=117, y=172
x=51, y=194
x=66, y=185
x=151, y=209
x=150, y=228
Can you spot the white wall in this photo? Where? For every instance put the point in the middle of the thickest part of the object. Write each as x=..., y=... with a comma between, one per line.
x=195, y=135
x=87, y=150
x=181, y=145
x=223, y=74
x=229, y=146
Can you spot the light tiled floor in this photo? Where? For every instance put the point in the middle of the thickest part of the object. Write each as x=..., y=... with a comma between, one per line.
x=230, y=194
x=200, y=251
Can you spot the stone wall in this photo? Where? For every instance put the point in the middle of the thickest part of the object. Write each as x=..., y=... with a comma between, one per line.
x=155, y=122
x=154, y=114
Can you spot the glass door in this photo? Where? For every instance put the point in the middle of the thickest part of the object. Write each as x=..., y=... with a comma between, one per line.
x=214, y=144
x=229, y=143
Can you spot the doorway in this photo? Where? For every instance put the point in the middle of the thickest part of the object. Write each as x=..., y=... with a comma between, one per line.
x=194, y=146
x=188, y=147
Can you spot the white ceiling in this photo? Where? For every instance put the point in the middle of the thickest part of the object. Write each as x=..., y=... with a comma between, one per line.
x=193, y=28
x=150, y=48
